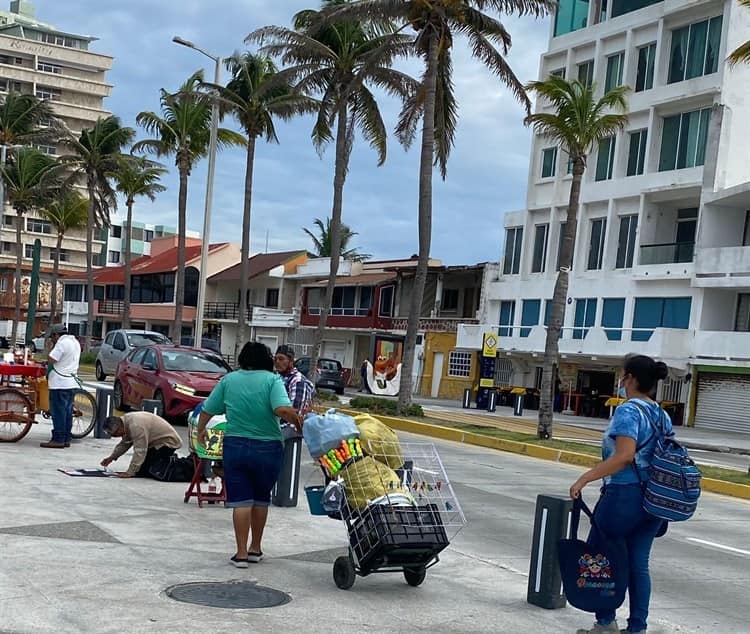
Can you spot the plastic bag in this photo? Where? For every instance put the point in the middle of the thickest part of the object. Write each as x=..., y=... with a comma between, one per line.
x=367, y=480
x=325, y=432
x=379, y=441
x=333, y=496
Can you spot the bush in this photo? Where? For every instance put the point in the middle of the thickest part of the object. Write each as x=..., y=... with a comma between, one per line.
x=328, y=397
x=384, y=406
x=88, y=358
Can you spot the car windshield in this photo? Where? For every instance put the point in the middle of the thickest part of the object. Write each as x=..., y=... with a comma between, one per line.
x=329, y=364
x=136, y=339
x=191, y=361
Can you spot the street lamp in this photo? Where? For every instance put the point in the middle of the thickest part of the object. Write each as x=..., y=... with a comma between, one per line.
x=198, y=340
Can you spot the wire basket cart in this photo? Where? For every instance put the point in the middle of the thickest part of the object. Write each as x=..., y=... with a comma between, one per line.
x=404, y=530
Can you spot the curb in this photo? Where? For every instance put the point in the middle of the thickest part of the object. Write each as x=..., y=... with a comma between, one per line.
x=722, y=487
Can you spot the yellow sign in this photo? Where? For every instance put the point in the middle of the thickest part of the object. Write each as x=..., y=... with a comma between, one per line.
x=489, y=345
x=486, y=382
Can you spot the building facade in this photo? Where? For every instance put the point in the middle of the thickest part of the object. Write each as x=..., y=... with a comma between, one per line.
x=662, y=254
x=142, y=235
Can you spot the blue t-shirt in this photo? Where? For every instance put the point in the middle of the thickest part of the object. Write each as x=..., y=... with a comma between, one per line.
x=629, y=420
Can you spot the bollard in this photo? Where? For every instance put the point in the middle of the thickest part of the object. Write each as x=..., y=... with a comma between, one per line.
x=551, y=524
x=466, y=403
x=285, y=490
x=518, y=405
x=105, y=407
x=492, y=401
x=152, y=405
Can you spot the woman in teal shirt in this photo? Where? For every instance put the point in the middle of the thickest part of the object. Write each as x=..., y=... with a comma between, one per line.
x=253, y=399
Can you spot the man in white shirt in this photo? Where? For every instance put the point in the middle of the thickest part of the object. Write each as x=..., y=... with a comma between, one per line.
x=62, y=369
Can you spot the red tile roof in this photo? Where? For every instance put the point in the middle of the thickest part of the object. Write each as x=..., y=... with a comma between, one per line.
x=365, y=279
x=259, y=264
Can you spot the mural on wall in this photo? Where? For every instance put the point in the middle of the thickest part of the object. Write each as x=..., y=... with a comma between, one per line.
x=384, y=372
x=44, y=299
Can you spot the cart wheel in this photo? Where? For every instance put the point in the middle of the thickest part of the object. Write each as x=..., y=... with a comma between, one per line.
x=343, y=572
x=415, y=576
x=16, y=415
x=84, y=414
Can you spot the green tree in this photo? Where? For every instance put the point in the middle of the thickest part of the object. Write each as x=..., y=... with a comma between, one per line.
x=93, y=157
x=435, y=23
x=31, y=178
x=67, y=211
x=340, y=61
x=26, y=119
x=742, y=53
x=578, y=122
x=182, y=130
x=322, y=241
x=255, y=96
x=135, y=177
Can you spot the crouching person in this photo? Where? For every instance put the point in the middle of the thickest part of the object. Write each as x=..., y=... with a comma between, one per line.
x=153, y=440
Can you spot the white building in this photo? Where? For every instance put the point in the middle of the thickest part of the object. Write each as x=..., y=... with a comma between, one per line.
x=113, y=251
x=662, y=257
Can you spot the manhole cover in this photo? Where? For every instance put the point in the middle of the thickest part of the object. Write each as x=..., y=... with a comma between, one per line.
x=236, y=595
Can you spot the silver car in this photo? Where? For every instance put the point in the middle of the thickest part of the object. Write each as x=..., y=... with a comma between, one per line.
x=118, y=344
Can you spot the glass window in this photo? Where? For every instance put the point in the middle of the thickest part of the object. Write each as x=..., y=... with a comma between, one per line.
x=530, y=309
x=272, y=298
x=586, y=73
x=386, y=301
x=513, y=242
x=644, y=79
x=35, y=225
x=659, y=312
x=539, y=260
x=584, y=317
x=614, y=71
x=637, y=152
x=137, y=339
x=149, y=359
x=694, y=50
x=28, y=250
x=742, y=319
x=571, y=15
x=148, y=235
x=613, y=311
x=558, y=72
x=113, y=257
x=596, y=245
x=683, y=140
x=343, y=300
x=507, y=316
x=137, y=355
x=365, y=300
x=450, y=300
x=626, y=242
x=7, y=220
x=115, y=291
x=192, y=361
x=549, y=160
x=459, y=363
x=620, y=7
x=605, y=160
x=116, y=231
x=73, y=292
x=563, y=229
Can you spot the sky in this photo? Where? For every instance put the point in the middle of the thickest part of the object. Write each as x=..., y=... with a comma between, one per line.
x=487, y=172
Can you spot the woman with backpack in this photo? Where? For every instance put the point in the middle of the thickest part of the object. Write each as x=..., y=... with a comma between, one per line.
x=627, y=450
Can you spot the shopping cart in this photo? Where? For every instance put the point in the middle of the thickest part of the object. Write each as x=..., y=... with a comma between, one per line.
x=391, y=535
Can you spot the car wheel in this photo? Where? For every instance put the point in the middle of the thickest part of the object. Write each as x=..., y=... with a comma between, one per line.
x=100, y=376
x=159, y=396
x=118, y=396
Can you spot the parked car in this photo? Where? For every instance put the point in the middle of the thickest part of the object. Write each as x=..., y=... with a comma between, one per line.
x=6, y=333
x=38, y=344
x=330, y=373
x=179, y=377
x=118, y=344
x=206, y=342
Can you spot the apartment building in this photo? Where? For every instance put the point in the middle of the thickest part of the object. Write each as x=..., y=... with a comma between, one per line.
x=662, y=256
x=142, y=235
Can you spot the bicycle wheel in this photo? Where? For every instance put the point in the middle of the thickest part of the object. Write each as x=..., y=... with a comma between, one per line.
x=16, y=415
x=84, y=414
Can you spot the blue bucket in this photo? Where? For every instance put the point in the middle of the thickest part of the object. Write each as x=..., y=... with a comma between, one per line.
x=315, y=499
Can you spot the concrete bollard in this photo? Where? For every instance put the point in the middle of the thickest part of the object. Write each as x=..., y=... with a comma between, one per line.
x=152, y=405
x=105, y=407
x=518, y=405
x=466, y=402
x=285, y=490
x=492, y=401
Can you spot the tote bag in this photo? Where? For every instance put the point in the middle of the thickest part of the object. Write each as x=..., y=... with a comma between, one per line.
x=594, y=576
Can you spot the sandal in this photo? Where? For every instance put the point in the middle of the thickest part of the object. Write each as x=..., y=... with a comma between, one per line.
x=238, y=563
x=254, y=558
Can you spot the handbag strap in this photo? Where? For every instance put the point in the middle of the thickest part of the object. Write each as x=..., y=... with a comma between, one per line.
x=578, y=506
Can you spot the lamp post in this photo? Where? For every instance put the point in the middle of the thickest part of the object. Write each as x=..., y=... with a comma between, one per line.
x=209, y=193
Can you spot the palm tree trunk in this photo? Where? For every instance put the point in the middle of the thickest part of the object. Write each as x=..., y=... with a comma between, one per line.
x=90, y=266
x=128, y=260
x=245, y=247
x=557, y=310
x=179, y=285
x=342, y=160
x=55, y=276
x=425, y=224
x=19, y=256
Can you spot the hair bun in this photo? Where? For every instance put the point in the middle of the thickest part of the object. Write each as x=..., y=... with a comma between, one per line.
x=661, y=370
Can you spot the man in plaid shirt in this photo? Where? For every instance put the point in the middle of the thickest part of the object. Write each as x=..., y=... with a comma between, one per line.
x=299, y=388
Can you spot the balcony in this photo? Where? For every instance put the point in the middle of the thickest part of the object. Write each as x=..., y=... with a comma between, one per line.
x=724, y=267
x=112, y=307
x=357, y=318
x=221, y=311
x=671, y=253
x=437, y=324
x=722, y=346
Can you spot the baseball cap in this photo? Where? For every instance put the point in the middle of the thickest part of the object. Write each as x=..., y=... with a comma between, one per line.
x=287, y=351
x=58, y=329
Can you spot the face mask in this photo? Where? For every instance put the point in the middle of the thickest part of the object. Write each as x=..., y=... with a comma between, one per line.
x=621, y=392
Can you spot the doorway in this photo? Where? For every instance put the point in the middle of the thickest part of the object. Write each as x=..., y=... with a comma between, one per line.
x=437, y=373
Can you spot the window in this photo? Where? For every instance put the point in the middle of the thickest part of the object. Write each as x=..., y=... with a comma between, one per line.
x=560, y=239
x=513, y=242
x=459, y=363
x=60, y=40
x=613, y=311
x=7, y=85
x=149, y=360
x=530, y=309
x=136, y=233
x=114, y=291
x=571, y=15
x=637, y=152
x=7, y=247
x=272, y=298
x=155, y=288
x=365, y=300
x=116, y=231
x=586, y=73
x=45, y=92
x=549, y=160
x=596, y=245
x=3, y=284
x=694, y=50
x=659, y=312
x=683, y=140
x=503, y=372
x=191, y=286
x=584, y=317
x=620, y=7
x=626, y=242
x=343, y=301
x=558, y=72
x=507, y=316
x=386, y=301
x=148, y=235
x=746, y=231
x=449, y=302
x=742, y=319
x=539, y=259
x=644, y=78
x=51, y=150
x=64, y=255
x=113, y=257
x=615, y=65
x=45, y=67
x=605, y=159
x=8, y=220
x=570, y=166
x=35, y=225
x=28, y=251
x=73, y=292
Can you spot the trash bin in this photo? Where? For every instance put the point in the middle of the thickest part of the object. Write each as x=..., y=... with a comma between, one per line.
x=518, y=405
x=105, y=407
x=287, y=486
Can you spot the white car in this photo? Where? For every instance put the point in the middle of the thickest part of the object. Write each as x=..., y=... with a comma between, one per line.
x=120, y=343
x=39, y=343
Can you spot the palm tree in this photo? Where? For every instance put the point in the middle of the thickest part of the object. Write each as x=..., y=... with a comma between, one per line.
x=435, y=23
x=340, y=60
x=182, y=129
x=322, y=241
x=578, y=122
x=30, y=178
x=94, y=156
x=67, y=211
x=742, y=53
x=255, y=97
x=136, y=176
x=26, y=119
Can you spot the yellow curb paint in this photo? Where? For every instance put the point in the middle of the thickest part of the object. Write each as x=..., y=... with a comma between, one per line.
x=580, y=459
x=726, y=488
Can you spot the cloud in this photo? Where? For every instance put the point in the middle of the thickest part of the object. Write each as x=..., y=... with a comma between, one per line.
x=487, y=173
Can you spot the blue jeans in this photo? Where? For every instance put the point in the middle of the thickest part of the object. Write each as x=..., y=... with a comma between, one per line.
x=619, y=514
x=251, y=468
x=61, y=409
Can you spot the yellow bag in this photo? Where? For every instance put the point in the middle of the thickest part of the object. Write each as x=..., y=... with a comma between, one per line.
x=367, y=479
x=379, y=441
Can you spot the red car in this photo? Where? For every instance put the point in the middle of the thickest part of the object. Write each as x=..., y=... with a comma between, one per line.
x=177, y=376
